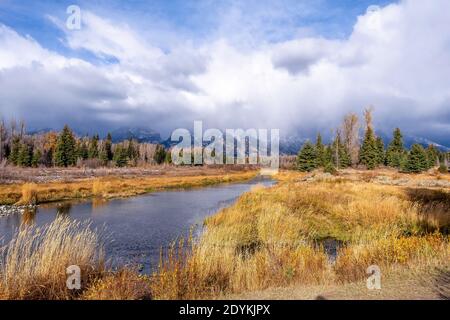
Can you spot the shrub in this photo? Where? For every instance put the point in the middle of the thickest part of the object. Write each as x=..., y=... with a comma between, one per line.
x=443, y=168
x=329, y=168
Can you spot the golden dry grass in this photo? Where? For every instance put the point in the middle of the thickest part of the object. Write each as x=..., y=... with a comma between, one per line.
x=271, y=238
x=125, y=284
x=33, y=265
x=29, y=194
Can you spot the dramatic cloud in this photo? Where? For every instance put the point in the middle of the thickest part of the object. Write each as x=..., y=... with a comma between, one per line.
x=396, y=59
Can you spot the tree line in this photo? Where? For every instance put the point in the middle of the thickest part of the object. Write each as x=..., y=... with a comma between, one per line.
x=65, y=149
x=346, y=150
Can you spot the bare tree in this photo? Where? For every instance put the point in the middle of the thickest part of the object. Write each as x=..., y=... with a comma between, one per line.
x=350, y=135
x=22, y=128
x=368, y=117
x=13, y=126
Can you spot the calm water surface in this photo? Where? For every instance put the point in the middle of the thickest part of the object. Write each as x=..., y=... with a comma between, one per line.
x=139, y=226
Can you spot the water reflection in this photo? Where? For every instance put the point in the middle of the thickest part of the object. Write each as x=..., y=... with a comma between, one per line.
x=28, y=217
x=63, y=209
x=97, y=204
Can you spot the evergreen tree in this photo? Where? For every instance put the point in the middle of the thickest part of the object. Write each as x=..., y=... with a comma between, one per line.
x=395, y=153
x=329, y=168
x=108, y=147
x=320, y=151
x=339, y=153
x=103, y=156
x=345, y=160
x=432, y=156
x=82, y=150
x=168, y=158
x=24, y=155
x=15, y=147
x=131, y=151
x=120, y=156
x=368, y=155
x=381, y=156
x=36, y=159
x=160, y=154
x=307, y=158
x=417, y=159
x=65, y=152
x=93, y=147
x=328, y=155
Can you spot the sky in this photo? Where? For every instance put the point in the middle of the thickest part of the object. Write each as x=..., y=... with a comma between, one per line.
x=293, y=65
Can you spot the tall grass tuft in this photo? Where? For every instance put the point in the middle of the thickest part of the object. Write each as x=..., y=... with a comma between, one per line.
x=100, y=188
x=428, y=251
x=33, y=265
x=29, y=194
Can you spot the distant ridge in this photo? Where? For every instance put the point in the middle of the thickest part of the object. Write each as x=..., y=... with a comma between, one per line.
x=136, y=133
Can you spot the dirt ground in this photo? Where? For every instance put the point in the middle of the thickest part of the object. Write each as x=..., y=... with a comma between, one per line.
x=400, y=286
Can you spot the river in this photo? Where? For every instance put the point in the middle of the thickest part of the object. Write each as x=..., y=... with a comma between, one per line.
x=138, y=227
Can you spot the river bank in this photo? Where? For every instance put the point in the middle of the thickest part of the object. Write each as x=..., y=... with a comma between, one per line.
x=118, y=185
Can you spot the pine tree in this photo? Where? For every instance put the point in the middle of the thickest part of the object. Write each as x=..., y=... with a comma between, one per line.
x=381, y=156
x=328, y=155
x=395, y=153
x=120, y=156
x=339, y=153
x=108, y=147
x=93, y=147
x=368, y=155
x=168, y=158
x=329, y=168
x=160, y=154
x=432, y=156
x=65, y=152
x=103, y=156
x=131, y=151
x=320, y=151
x=36, y=159
x=24, y=155
x=82, y=150
x=15, y=147
x=345, y=160
x=307, y=158
x=417, y=159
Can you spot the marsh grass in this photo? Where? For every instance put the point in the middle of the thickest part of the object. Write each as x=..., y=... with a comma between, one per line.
x=202, y=271
x=267, y=239
x=100, y=188
x=125, y=284
x=29, y=194
x=413, y=252
x=270, y=238
x=33, y=264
